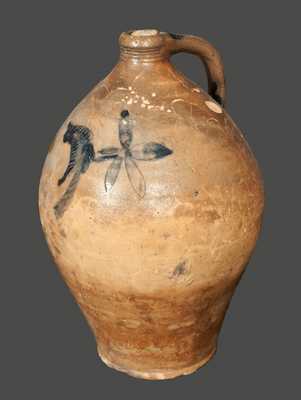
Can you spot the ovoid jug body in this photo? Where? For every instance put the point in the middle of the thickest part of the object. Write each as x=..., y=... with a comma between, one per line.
x=151, y=203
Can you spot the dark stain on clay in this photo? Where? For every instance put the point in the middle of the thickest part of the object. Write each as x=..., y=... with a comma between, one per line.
x=63, y=233
x=176, y=36
x=179, y=270
x=212, y=216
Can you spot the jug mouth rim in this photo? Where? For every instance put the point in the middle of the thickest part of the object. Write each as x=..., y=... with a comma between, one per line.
x=144, y=32
x=141, y=39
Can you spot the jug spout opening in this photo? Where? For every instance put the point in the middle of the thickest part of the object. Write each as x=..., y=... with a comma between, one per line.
x=142, y=44
x=145, y=32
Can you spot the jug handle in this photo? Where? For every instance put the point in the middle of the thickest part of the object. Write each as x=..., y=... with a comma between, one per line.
x=178, y=43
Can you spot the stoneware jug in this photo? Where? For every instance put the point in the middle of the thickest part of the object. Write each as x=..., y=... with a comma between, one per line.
x=151, y=203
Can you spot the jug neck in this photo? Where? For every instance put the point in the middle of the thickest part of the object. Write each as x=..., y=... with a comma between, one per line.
x=142, y=46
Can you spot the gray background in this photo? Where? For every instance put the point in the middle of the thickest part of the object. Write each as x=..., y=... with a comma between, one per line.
x=52, y=54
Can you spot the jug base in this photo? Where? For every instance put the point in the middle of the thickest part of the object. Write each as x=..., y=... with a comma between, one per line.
x=159, y=374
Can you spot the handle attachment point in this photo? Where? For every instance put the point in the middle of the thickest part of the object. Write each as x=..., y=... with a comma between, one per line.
x=178, y=43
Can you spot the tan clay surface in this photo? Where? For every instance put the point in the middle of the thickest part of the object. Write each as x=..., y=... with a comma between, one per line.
x=152, y=242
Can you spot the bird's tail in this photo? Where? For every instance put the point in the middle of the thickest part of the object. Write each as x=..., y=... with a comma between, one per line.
x=65, y=200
